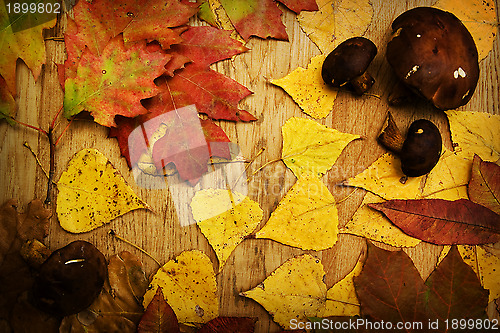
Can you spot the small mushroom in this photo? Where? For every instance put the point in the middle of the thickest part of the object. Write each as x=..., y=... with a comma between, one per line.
x=70, y=279
x=434, y=54
x=421, y=149
x=346, y=65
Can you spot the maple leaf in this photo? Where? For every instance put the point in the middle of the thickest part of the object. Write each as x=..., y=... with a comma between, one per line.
x=17, y=41
x=443, y=222
x=100, y=191
x=299, y=5
x=158, y=317
x=484, y=185
x=225, y=218
x=7, y=102
x=308, y=89
x=306, y=153
x=189, y=286
x=114, y=82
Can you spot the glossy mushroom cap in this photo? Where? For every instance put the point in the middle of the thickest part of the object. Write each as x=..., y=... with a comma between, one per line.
x=433, y=53
x=347, y=61
x=421, y=149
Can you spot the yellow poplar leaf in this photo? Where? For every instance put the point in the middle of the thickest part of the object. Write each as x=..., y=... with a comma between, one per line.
x=295, y=290
x=372, y=224
x=309, y=147
x=336, y=21
x=306, y=217
x=341, y=299
x=489, y=268
x=475, y=133
x=189, y=287
x=225, y=218
x=479, y=17
x=383, y=178
x=92, y=193
x=308, y=90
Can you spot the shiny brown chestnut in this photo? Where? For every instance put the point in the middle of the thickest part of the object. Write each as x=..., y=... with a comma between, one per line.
x=433, y=54
x=346, y=66
x=421, y=149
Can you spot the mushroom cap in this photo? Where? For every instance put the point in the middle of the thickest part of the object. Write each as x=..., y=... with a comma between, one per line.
x=421, y=149
x=348, y=60
x=433, y=53
x=70, y=279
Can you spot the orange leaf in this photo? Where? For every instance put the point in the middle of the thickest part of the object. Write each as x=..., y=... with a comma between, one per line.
x=158, y=317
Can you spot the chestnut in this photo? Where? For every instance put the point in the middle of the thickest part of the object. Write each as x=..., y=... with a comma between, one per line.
x=346, y=65
x=434, y=55
x=421, y=149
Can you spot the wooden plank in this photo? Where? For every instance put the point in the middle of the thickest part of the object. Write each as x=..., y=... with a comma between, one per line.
x=158, y=230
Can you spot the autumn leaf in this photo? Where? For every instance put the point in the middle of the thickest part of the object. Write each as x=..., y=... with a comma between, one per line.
x=452, y=285
x=18, y=42
x=299, y=5
x=99, y=190
x=335, y=22
x=158, y=317
x=114, y=82
x=7, y=102
x=308, y=90
x=475, y=133
x=479, y=17
x=189, y=286
x=374, y=225
x=225, y=218
x=229, y=325
x=118, y=307
x=306, y=153
x=484, y=185
x=306, y=217
x=389, y=288
x=299, y=281
x=443, y=222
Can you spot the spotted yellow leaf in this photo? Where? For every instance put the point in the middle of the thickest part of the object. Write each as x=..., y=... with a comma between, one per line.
x=92, y=193
x=306, y=217
x=372, y=224
x=295, y=290
x=309, y=147
x=479, y=17
x=225, y=218
x=189, y=287
x=336, y=21
x=308, y=90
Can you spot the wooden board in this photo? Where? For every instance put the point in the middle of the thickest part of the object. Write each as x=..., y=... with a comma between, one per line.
x=158, y=230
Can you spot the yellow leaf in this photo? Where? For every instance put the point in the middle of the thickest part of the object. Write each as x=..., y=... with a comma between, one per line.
x=336, y=21
x=341, y=299
x=479, y=17
x=372, y=224
x=295, y=290
x=475, y=133
x=225, y=218
x=92, y=193
x=306, y=217
x=309, y=147
x=189, y=286
x=308, y=90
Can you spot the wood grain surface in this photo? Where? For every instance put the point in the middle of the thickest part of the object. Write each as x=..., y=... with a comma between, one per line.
x=158, y=230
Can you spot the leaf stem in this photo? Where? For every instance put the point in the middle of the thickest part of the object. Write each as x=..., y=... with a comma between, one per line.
x=52, y=165
x=113, y=234
x=25, y=144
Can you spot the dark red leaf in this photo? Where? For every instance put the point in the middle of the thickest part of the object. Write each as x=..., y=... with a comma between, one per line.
x=443, y=222
x=299, y=5
x=229, y=325
x=158, y=317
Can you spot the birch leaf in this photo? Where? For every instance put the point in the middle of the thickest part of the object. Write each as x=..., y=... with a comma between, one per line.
x=308, y=90
x=309, y=147
x=225, y=218
x=306, y=217
x=484, y=186
x=92, y=193
x=295, y=290
x=336, y=21
x=189, y=286
x=479, y=17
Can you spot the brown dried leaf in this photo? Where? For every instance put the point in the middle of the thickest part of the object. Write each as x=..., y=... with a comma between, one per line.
x=484, y=185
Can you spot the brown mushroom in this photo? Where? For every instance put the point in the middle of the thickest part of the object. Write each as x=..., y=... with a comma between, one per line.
x=421, y=149
x=346, y=65
x=434, y=54
x=70, y=279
